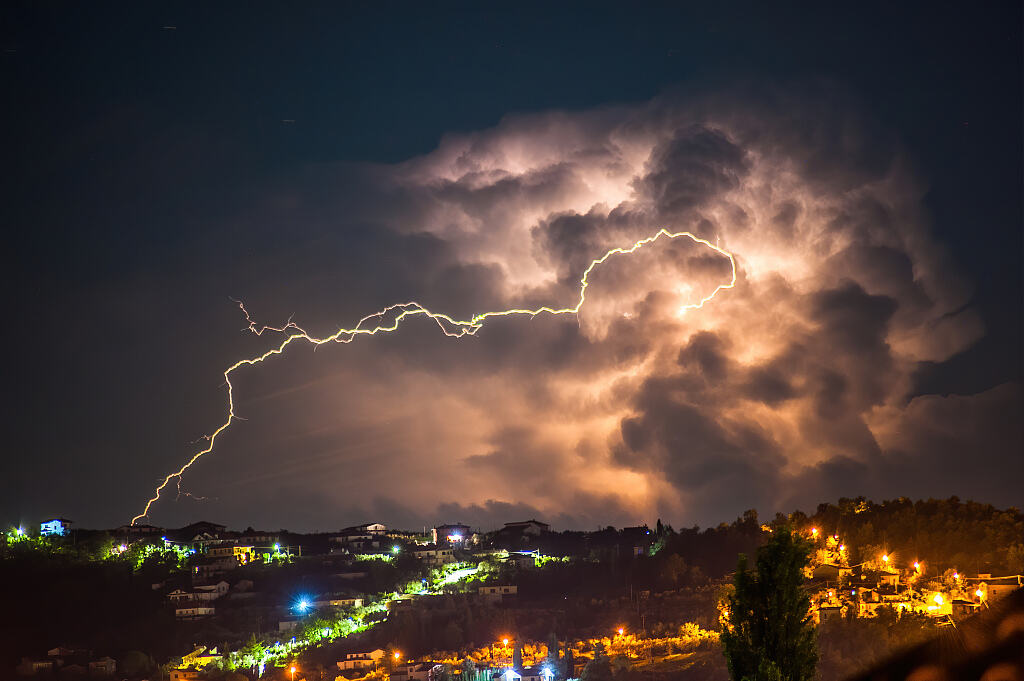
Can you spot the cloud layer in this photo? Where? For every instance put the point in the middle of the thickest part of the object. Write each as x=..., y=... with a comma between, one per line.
x=793, y=387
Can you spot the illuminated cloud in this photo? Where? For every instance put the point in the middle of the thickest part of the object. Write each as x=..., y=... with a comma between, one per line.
x=792, y=387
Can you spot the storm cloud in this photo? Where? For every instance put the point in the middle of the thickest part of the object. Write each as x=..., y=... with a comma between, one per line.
x=793, y=386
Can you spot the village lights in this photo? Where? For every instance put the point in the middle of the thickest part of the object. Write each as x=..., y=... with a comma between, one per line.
x=397, y=654
x=395, y=550
x=956, y=575
x=292, y=670
x=885, y=557
x=814, y=531
x=302, y=605
x=917, y=566
x=20, y=531
x=504, y=642
x=979, y=593
x=938, y=599
x=842, y=547
x=547, y=674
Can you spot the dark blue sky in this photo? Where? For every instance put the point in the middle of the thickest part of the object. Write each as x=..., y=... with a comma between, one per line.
x=127, y=143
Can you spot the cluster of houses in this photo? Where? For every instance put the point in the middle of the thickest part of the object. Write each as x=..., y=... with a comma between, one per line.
x=843, y=590
x=71, y=662
x=359, y=664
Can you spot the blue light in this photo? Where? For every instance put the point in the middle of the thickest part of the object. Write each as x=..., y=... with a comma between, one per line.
x=302, y=605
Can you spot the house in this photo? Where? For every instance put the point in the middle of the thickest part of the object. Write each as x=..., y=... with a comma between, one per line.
x=531, y=527
x=105, y=666
x=55, y=527
x=361, y=660
x=830, y=572
x=192, y=610
x=241, y=553
x=413, y=672
x=30, y=667
x=827, y=613
x=995, y=588
x=963, y=608
x=497, y=592
x=188, y=659
x=183, y=674
x=889, y=578
x=213, y=567
x=367, y=536
x=456, y=533
x=433, y=555
x=341, y=603
x=179, y=595
x=523, y=559
x=528, y=674
x=211, y=592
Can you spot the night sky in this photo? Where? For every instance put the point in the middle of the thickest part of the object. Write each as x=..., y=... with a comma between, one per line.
x=862, y=164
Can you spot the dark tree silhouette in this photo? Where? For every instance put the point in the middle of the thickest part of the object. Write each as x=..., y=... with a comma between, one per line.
x=769, y=633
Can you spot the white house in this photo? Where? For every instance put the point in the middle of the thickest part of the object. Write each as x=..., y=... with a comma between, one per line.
x=361, y=660
x=211, y=592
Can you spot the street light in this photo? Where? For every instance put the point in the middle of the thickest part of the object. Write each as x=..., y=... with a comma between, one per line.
x=621, y=631
x=292, y=670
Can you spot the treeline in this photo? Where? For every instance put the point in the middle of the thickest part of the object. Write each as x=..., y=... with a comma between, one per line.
x=943, y=533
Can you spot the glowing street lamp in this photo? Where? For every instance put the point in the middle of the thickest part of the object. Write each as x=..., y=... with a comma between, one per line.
x=917, y=566
x=885, y=557
x=292, y=670
x=20, y=531
x=938, y=599
x=504, y=642
x=395, y=550
x=814, y=531
x=397, y=655
x=621, y=631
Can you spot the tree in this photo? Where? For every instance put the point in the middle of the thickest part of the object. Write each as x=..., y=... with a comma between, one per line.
x=569, y=663
x=253, y=653
x=552, y=659
x=598, y=669
x=769, y=634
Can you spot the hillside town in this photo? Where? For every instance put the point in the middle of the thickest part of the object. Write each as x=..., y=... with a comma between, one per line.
x=520, y=603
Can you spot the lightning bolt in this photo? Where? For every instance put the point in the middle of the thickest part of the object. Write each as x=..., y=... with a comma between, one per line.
x=450, y=327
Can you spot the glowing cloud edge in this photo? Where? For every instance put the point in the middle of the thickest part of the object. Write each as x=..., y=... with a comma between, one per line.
x=455, y=329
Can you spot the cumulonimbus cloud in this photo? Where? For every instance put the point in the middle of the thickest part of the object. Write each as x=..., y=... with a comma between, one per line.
x=792, y=386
